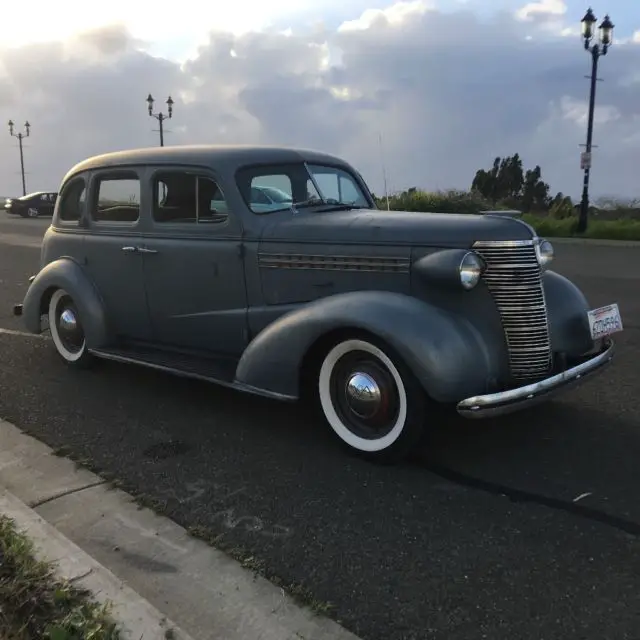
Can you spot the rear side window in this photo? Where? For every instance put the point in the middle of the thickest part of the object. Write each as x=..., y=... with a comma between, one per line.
x=183, y=197
x=73, y=200
x=117, y=199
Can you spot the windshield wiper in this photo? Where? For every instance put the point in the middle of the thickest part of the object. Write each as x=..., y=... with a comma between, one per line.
x=340, y=206
x=311, y=202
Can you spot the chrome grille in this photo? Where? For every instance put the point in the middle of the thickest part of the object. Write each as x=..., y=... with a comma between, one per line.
x=513, y=277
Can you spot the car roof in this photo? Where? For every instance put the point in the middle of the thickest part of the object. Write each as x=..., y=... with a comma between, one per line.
x=233, y=156
x=34, y=194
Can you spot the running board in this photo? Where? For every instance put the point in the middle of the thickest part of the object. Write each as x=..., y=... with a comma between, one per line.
x=218, y=372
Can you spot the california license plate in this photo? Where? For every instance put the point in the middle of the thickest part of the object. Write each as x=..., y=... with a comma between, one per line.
x=604, y=321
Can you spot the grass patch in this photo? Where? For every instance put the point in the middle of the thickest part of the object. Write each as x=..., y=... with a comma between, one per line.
x=624, y=229
x=36, y=605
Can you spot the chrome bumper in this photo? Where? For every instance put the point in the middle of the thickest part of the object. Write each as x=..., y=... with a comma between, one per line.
x=503, y=402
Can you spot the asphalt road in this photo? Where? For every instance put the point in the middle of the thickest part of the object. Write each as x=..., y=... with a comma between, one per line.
x=487, y=533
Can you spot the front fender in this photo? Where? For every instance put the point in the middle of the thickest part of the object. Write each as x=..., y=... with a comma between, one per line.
x=67, y=274
x=443, y=350
x=567, y=312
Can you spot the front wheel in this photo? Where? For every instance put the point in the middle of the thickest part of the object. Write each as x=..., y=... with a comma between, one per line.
x=67, y=331
x=371, y=400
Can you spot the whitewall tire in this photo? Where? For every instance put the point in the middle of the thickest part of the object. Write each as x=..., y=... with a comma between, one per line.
x=66, y=329
x=370, y=399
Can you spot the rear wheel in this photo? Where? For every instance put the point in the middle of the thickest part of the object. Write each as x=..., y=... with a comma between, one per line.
x=67, y=331
x=371, y=400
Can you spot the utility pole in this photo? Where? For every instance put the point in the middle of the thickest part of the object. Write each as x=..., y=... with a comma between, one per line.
x=160, y=117
x=596, y=50
x=20, y=137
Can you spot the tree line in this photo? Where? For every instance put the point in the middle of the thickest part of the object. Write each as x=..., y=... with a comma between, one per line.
x=508, y=183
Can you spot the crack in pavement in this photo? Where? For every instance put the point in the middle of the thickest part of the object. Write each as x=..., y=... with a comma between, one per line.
x=67, y=492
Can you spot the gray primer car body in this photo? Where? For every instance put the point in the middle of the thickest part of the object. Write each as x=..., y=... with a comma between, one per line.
x=247, y=302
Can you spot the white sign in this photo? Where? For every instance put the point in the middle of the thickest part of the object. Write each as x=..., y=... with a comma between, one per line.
x=585, y=160
x=604, y=321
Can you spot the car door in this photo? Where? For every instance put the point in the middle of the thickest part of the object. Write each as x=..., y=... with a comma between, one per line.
x=44, y=206
x=115, y=219
x=193, y=265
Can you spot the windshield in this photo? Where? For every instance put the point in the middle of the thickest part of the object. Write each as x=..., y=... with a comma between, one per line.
x=271, y=188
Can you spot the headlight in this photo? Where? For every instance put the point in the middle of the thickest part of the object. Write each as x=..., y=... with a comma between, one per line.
x=471, y=268
x=545, y=253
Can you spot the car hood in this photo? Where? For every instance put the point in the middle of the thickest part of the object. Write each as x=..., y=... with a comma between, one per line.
x=373, y=226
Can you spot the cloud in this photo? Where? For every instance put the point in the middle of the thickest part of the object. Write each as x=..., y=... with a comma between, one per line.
x=448, y=91
x=543, y=8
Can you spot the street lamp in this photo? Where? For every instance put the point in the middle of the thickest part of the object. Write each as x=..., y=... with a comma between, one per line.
x=596, y=49
x=20, y=137
x=160, y=117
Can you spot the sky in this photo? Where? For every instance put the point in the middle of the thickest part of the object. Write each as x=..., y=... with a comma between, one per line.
x=431, y=90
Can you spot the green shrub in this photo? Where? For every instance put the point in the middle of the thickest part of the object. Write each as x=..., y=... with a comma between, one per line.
x=562, y=209
x=561, y=221
x=548, y=227
x=436, y=202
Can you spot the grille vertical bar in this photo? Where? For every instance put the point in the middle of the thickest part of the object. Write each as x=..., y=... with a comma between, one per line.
x=514, y=279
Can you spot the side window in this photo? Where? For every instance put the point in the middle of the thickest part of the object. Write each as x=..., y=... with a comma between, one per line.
x=277, y=186
x=270, y=193
x=117, y=199
x=258, y=196
x=73, y=199
x=182, y=197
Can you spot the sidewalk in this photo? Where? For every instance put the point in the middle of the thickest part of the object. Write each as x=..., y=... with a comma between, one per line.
x=160, y=581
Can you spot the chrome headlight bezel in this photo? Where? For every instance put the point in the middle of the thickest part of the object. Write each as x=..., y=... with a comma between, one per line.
x=545, y=252
x=471, y=268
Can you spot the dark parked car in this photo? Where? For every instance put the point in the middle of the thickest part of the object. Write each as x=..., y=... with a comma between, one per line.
x=33, y=205
x=376, y=315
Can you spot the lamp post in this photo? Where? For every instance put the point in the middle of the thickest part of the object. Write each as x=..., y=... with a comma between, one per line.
x=596, y=49
x=160, y=117
x=20, y=137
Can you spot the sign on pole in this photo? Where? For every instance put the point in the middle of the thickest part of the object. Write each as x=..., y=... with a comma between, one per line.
x=585, y=160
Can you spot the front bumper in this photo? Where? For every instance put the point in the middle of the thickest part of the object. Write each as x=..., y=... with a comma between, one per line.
x=503, y=402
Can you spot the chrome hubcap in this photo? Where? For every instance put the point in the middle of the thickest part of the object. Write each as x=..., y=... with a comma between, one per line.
x=68, y=321
x=70, y=329
x=363, y=395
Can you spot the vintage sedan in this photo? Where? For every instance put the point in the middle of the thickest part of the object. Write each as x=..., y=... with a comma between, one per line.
x=378, y=316
x=33, y=205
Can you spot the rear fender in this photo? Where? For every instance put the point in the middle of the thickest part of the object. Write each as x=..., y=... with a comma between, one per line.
x=443, y=350
x=66, y=274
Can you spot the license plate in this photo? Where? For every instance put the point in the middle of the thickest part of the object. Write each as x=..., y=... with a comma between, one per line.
x=604, y=321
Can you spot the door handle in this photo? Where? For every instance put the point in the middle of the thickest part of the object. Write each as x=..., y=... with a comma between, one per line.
x=129, y=249
x=145, y=250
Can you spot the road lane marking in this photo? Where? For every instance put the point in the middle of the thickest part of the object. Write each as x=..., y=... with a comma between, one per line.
x=24, y=334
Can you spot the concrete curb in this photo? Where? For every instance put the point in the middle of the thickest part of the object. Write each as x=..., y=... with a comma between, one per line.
x=154, y=572
x=136, y=616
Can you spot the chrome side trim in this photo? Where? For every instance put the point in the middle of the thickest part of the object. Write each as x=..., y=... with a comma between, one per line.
x=504, y=402
x=388, y=264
